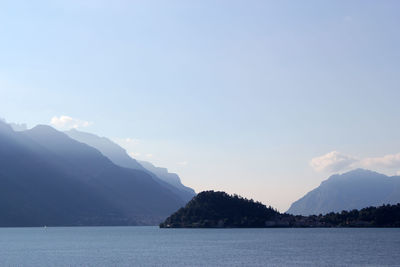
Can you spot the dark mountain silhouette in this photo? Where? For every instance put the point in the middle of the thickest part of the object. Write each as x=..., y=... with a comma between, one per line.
x=120, y=157
x=352, y=190
x=47, y=178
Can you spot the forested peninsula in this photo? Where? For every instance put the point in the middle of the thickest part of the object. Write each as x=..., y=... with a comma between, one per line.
x=210, y=209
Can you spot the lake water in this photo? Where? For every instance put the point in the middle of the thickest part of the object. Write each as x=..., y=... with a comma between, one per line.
x=151, y=246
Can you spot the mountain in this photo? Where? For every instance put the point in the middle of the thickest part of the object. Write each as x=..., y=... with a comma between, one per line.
x=47, y=178
x=211, y=209
x=352, y=190
x=120, y=157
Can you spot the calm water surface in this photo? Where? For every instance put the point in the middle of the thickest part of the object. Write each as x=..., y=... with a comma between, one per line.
x=151, y=246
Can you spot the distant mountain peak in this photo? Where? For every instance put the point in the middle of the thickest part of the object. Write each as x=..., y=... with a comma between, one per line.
x=360, y=171
x=43, y=128
x=355, y=189
x=356, y=173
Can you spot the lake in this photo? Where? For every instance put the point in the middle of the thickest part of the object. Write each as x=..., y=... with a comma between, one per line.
x=151, y=246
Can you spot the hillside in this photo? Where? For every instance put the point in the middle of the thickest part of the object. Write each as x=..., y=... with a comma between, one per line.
x=218, y=209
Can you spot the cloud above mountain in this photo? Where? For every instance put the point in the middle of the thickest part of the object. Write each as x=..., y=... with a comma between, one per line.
x=335, y=162
x=67, y=122
x=135, y=147
x=332, y=162
x=134, y=154
x=132, y=141
x=387, y=161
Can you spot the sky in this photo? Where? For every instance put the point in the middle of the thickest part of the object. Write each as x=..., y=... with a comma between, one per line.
x=265, y=99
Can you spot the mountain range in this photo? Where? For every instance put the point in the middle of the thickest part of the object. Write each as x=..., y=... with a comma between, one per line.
x=356, y=189
x=48, y=178
x=54, y=178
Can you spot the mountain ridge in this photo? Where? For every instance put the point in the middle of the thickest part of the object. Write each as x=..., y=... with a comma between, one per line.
x=355, y=189
x=119, y=156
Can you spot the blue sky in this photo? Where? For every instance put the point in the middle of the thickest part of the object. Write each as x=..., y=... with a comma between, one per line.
x=261, y=98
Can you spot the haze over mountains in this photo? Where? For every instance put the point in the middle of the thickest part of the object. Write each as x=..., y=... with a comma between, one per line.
x=356, y=189
x=48, y=178
x=120, y=157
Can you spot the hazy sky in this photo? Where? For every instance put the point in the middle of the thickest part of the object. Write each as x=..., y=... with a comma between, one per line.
x=260, y=98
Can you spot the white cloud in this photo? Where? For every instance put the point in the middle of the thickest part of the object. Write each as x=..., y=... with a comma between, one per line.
x=133, y=147
x=387, y=161
x=66, y=122
x=183, y=163
x=332, y=162
x=132, y=141
x=128, y=142
x=134, y=154
x=335, y=161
